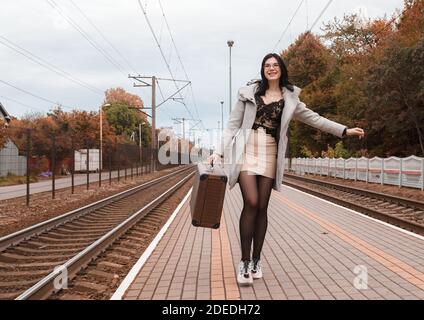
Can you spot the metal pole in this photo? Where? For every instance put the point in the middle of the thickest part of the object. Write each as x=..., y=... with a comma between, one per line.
x=28, y=147
x=230, y=44
x=73, y=167
x=222, y=117
x=110, y=167
x=139, y=145
x=422, y=174
x=382, y=172
x=356, y=169
x=219, y=129
x=141, y=161
x=53, y=166
x=153, y=122
x=230, y=83
x=87, y=167
x=183, y=128
x=125, y=164
x=100, y=148
x=368, y=169
x=119, y=164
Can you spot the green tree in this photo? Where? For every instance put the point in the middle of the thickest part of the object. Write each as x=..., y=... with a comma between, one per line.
x=311, y=66
x=340, y=151
x=396, y=92
x=123, y=119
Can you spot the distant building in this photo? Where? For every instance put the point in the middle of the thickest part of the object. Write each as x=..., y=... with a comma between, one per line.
x=4, y=114
x=10, y=160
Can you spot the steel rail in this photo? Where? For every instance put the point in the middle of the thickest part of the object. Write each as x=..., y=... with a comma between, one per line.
x=21, y=235
x=46, y=286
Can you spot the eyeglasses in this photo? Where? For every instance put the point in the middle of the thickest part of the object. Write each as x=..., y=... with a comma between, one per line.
x=268, y=66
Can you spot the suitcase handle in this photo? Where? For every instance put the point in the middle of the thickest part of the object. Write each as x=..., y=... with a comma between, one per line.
x=212, y=166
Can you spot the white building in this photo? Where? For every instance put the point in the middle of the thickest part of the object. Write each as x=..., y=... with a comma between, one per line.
x=10, y=160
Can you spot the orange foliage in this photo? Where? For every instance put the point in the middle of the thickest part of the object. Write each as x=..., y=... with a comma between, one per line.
x=307, y=59
x=411, y=24
x=119, y=95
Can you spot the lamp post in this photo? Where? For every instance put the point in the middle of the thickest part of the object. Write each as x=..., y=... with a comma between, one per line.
x=230, y=44
x=101, y=142
x=222, y=117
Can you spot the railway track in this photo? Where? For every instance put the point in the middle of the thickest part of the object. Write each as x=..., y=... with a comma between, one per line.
x=402, y=212
x=29, y=259
x=102, y=277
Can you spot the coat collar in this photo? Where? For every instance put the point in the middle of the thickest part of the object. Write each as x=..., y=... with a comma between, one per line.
x=247, y=93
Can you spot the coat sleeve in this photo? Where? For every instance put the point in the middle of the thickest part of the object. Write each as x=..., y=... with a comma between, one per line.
x=233, y=126
x=306, y=115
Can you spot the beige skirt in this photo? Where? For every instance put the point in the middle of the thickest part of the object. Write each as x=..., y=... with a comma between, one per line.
x=260, y=154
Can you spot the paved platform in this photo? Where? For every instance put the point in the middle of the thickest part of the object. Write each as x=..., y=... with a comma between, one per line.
x=313, y=250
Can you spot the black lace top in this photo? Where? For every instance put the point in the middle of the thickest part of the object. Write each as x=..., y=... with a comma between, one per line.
x=268, y=116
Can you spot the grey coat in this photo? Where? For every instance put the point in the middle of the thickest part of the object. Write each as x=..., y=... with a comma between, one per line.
x=240, y=123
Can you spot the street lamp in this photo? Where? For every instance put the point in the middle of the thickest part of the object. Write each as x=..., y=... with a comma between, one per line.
x=222, y=117
x=138, y=108
x=230, y=44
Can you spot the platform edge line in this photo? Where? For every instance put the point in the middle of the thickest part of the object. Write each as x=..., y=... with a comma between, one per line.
x=132, y=274
x=361, y=214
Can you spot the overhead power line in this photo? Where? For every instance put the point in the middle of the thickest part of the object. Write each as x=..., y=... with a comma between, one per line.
x=117, y=51
x=34, y=95
x=21, y=103
x=320, y=15
x=47, y=65
x=162, y=54
x=288, y=25
x=292, y=18
x=389, y=24
x=179, y=58
x=86, y=36
x=284, y=31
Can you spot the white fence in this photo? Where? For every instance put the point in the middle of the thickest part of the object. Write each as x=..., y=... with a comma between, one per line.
x=406, y=172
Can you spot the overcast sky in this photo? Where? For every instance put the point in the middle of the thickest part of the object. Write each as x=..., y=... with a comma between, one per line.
x=48, y=29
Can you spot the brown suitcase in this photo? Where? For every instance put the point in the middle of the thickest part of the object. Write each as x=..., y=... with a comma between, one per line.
x=207, y=197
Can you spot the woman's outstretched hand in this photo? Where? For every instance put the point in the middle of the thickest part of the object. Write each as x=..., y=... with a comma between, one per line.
x=355, y=132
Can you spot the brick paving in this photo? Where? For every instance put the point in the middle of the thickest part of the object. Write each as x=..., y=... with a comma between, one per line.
x=312, y=250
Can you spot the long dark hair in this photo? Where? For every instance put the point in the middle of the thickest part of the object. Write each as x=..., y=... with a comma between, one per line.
x=284, y=79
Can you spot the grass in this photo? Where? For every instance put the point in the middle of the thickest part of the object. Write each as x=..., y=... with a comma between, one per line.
x=11, y=180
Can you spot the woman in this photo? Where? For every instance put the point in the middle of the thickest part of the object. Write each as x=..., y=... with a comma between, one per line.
x=260, y=117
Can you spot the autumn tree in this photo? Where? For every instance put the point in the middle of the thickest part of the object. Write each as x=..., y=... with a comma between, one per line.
x=396, y=94
x=125, y=115
x=411, y=23
x=311, y=67
x=121, y=118
x=119, y=95
x=355, y=46
x=349, y=39
x=3, y=133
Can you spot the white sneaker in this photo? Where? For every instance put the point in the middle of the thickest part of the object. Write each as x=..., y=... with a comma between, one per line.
x=244, y=277
x=256, y=269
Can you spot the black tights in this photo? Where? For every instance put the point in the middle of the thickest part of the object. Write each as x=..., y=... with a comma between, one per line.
x=256, y=191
